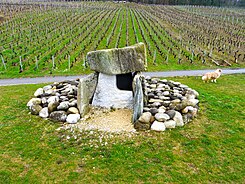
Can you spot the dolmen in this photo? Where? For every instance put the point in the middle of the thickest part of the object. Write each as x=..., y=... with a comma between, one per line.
x=115, y=82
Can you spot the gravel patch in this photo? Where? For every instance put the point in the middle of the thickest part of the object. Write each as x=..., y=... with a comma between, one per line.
x=107, y=120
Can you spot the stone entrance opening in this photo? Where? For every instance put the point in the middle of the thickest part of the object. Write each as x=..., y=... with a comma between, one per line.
x=124, y=81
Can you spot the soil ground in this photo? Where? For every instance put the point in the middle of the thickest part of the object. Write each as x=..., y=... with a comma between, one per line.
x=108, y=120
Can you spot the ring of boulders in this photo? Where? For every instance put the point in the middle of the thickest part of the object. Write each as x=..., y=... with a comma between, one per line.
x=167, y=104
x=57, y=101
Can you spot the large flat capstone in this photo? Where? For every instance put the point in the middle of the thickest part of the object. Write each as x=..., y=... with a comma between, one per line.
x=118, y=60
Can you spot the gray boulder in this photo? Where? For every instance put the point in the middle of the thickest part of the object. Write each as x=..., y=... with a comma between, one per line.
x=178, y=119
x=44, y=112
x=46, y=88
x=170, y=124
x=153, y=111
x=50, y=92
x=166, y=93
x=35, y=109
x=161, y=110
x=164, y=98
x=162, y=117
x=58, y=116
x=187, y=109
x=141, y=126
x=53, y=99
x=189, y=102
x=52, y=106
x=188, y=96
x=171, y=113
x=44, y=100
x=34, y=101
x=118, y=60
x=192, y=92
x=183, y=86
x=73, y=103
x=63, y=105
x=145, y=117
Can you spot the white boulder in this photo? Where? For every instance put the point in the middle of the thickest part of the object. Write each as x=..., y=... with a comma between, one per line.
x=73, y=118
x=53, y=99
x=44, y=112
x=178, y=119
x=38, y=92
x=158, y=126
x=162, y=117
x=170, y=124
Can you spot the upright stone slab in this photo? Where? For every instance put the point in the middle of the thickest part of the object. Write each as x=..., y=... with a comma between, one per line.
x=108, y=95
x=138, y=102
x=85, y=92
x=118, y=60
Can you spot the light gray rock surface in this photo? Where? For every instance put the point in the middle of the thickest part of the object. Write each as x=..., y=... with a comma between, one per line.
x=158, y=126
x=187, y=109
x=44, y=100
x=34, y=101
x=53, y=99
x=63, y=105
x=178, y=119
x=145, y=117
x=108, y=95
x=190, y=102
x=138, y=99
x=85, y=92
x=118, y=60
x=72, y=118
x=73, y=103
x=44, y=112
x=46, y=88
x=170, y=124
x=38, y=92
x=161, y=117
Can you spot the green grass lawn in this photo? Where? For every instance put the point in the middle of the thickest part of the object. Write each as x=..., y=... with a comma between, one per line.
x=208, y=150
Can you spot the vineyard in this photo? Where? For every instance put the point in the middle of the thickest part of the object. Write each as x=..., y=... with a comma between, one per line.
x=42, y=38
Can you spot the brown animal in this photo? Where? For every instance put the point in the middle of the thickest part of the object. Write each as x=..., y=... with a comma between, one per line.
x=212, y=76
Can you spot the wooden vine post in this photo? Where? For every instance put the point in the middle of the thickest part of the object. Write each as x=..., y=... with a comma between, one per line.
x=4, y=64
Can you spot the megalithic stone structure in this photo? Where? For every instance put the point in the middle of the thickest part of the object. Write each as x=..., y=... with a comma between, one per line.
x=113, y=81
